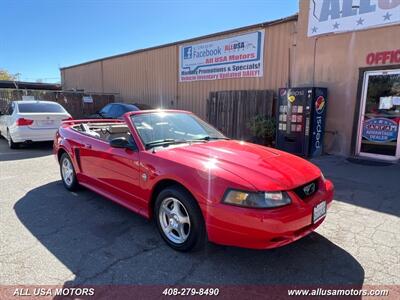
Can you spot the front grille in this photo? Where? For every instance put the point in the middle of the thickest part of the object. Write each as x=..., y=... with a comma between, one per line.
x=307, y=190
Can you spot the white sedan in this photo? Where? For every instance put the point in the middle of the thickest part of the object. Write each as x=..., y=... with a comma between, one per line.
x=31, y=121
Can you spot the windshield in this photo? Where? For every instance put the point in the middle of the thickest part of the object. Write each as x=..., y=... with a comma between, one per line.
x=40, y=107
x=170, y=127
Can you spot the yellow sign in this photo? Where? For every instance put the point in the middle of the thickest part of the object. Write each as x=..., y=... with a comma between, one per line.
x=291, y=98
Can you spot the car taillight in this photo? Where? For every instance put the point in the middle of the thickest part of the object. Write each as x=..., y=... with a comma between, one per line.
x=24, y=122
x=68, y=119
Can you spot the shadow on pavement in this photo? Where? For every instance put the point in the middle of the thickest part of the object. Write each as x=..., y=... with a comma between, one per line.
x=374, y=187
x=103, y=243
x=25, y=151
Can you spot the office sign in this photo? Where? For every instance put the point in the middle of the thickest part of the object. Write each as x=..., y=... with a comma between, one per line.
x=383, y=57
x=332, y=16
x=235, y=57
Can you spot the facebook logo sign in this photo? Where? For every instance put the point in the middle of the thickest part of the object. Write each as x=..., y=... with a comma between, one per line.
x=187, y=53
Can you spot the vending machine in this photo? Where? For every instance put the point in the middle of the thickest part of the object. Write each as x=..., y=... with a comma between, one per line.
x=301, y=120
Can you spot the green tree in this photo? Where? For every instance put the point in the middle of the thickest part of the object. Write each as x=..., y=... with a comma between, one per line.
x=5, y=75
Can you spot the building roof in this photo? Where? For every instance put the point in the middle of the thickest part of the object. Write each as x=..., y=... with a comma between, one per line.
x=264, y=24
x=10, y=84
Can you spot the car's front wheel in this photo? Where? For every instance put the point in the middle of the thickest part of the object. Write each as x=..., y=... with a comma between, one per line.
x=68, y=174
x=179, y=219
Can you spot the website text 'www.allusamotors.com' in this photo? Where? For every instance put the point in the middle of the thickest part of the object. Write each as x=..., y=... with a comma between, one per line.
x=338, y=292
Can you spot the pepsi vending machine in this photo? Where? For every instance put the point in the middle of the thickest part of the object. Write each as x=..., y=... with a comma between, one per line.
x=301, y=120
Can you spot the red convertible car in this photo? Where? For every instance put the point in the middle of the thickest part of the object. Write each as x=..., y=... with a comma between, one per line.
x=193, y=181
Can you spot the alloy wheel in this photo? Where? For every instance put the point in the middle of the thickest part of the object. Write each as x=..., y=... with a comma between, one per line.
x=67, y=172
x=174, y=220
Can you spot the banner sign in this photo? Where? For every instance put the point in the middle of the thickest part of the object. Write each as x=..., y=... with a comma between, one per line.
x=235, y=57
x=87, y=99
x=327, y=16
x=380, y=130
x=28, y=98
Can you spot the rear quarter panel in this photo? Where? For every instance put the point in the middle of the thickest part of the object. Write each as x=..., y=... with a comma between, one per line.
x=67, y=140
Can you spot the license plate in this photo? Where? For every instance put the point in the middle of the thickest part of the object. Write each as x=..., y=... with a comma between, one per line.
x=319, y=211
x=46, y=122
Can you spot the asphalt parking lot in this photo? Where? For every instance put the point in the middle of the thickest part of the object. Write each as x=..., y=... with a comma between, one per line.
x=51, y=236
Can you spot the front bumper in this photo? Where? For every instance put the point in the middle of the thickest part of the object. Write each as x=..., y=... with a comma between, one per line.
x=265, y=228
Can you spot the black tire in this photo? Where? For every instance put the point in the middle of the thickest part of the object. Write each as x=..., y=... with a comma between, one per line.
x=11, y=143
x=72, y=185
x=197, y=234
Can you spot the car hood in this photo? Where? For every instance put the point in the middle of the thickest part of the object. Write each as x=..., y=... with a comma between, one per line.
x=265, y=168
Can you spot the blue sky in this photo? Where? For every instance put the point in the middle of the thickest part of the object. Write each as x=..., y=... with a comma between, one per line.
x=40, y=36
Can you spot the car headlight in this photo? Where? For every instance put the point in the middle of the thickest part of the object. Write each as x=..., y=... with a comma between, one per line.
x=257, y=199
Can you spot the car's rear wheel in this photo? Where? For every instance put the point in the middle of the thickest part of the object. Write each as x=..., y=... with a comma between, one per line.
x=179, y=219
x=68, y=174
x=11, y=143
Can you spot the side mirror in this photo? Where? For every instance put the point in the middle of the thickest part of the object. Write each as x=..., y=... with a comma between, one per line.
x=121, y=142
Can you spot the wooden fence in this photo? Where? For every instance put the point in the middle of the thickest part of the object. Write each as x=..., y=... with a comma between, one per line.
x=230, y=111
x=71, y=101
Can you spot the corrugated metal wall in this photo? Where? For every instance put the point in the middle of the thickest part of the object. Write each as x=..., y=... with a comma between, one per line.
x=152, y=76
x=86, y=77
x=145, y=77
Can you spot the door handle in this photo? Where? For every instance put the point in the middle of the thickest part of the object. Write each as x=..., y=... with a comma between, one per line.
x=88, y=146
